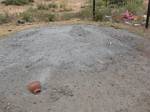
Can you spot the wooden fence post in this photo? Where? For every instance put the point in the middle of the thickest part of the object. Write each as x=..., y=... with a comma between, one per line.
x=94, y=5
x=148, y=14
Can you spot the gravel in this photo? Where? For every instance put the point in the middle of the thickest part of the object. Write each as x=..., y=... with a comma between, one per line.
x=82, y=68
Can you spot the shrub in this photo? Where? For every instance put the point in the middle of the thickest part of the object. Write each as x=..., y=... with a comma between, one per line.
x=52, y=5
x=4, y=18
x=42, y=7
x=101, y=13
x=117, y=2
x=63, y=6
x=86, y=13
x=135, y=7
x=101, y=10
x=28, y=15
x=43, y=16
x=101, y=3
x=37, y=15
x=31, y=0
x=51, y=17
x=17, y=2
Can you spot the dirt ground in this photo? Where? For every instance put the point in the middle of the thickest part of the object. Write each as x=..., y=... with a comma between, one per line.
x=82, y=68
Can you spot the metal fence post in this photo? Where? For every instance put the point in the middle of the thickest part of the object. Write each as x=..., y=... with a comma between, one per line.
x=94, y=5
x=148, y=14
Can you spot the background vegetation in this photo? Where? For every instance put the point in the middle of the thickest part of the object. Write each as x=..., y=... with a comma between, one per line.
x=114, y=8
x=105, y=9
x=17, y=2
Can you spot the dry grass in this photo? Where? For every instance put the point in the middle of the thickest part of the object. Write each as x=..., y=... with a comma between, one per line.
x=11, y=28
x=7, y=29
x=59, y=7
x=74, y=5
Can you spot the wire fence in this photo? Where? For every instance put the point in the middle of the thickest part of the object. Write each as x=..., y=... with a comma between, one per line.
x=135, y=6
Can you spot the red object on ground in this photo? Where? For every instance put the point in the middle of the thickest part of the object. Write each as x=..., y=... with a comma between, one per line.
x=128, y=15
x=34, y=87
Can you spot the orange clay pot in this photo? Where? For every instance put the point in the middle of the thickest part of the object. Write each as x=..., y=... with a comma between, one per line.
x=34, y=87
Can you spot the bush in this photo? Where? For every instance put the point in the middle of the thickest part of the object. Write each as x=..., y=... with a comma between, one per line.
x=45, y=16
x=51, y=17
x=17, y=2
x=28, y=17
x=31, y=0
x=42, y=7
x=4, y=18
x=135, y=7
x=52, y=5
x=101, y=13
x=46, y=7
x=86, y=13
x=32, y=15
x=102, y=10
x=117, y=2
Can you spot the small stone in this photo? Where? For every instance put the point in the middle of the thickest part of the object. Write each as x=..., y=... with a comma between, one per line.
x=137, y=24
x=49, y=109
x=34, y=103
x=10, y=30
